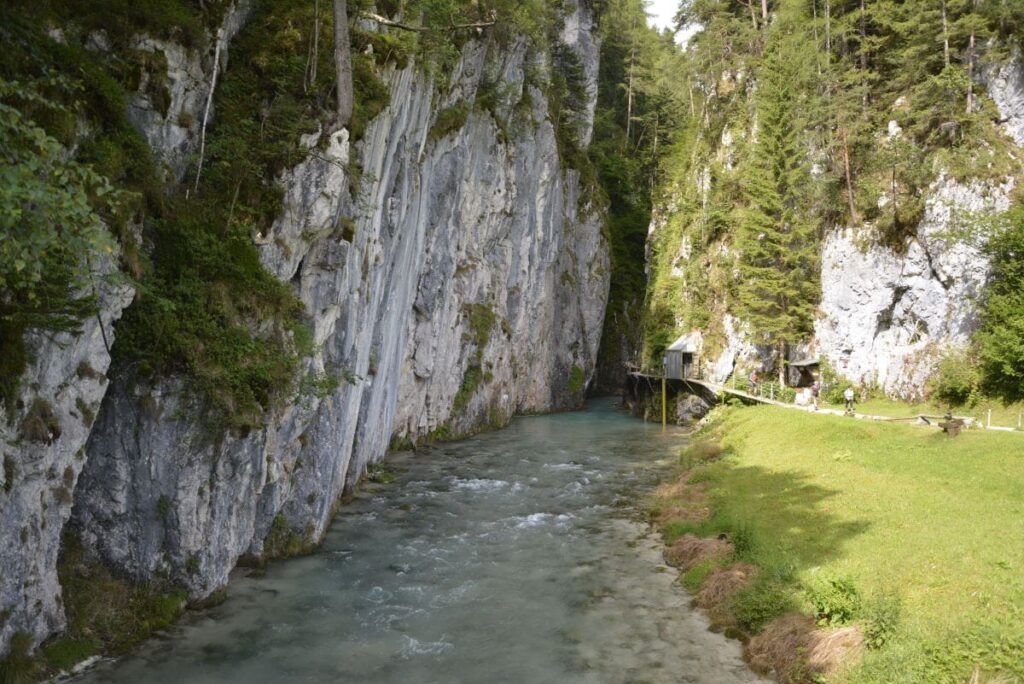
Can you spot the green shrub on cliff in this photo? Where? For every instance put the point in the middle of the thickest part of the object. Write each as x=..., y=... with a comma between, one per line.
x=51, y=217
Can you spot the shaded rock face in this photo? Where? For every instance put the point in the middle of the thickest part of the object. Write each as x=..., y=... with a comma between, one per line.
x=888, y=317
x=42, y=442
x=463, y=280
x=63, y=388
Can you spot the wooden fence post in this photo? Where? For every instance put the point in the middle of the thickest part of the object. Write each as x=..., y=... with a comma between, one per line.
x=664, y=402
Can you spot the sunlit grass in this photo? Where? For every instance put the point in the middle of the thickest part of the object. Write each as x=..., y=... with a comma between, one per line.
x=897, y=509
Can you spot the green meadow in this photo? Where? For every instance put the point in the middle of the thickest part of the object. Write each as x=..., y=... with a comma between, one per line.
x=899, y=514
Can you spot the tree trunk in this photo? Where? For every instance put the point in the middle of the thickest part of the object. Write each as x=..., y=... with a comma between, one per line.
x=817, y=42
x=971, y=60
x=342, y=63
x=895, y=197
x=654, y=154
x=629, y=105
x=864, y=49
x=945, y=35
x=828, y=31
x=849, y=177
x=764, y=12
x=314, y=50
x=209, y=103
x=782, y=364
x=863, y=36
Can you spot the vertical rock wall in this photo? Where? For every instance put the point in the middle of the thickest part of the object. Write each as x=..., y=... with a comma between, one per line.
x=463, y=281
x=63, y=388
x=460, y=279
x=887, y=317
x=42, y=443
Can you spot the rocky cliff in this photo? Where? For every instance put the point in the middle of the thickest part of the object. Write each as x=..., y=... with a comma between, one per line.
x=457, y=279
x=887, y=317
x=887, y=313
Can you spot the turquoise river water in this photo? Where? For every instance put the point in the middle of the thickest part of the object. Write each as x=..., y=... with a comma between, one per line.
x=517, y=556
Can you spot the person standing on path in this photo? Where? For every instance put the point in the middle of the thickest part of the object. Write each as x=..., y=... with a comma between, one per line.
x=848, y=395
x=815, y=393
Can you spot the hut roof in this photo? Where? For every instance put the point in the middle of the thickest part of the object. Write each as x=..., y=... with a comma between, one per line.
x=688, y=343
x=805, y=363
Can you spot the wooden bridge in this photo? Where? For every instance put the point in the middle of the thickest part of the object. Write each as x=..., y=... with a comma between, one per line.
x=713, y=392
x=707, y=390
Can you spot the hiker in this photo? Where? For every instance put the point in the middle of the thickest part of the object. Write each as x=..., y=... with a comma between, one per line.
x=815, y=392
x=753, y=382
x=848, y=395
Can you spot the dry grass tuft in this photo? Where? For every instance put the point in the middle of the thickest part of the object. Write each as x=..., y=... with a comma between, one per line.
x=795, y=650
x=705, y=451
x=681, y=489
x=40, y=423
x=689, y=550
x=719, y=589
x=692, y=514
x=834, y=650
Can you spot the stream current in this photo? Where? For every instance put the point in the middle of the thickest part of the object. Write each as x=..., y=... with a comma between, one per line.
x=516, y=556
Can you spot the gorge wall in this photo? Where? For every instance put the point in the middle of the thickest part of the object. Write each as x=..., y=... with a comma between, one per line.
x=459, y=278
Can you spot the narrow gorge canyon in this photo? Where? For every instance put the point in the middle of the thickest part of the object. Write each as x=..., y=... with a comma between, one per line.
x=530, y=199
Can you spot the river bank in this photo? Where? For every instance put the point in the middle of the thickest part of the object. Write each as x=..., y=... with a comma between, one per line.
x=850, y=550
x=520, y=555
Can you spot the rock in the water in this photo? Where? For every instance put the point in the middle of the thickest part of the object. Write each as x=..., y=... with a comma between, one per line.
x=691, y=408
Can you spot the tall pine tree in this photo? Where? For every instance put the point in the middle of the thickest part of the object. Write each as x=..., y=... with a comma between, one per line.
x=778, y=271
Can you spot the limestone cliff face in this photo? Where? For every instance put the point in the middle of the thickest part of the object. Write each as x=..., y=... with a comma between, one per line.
x=887, y=317
x=172, y=128
x=43, y=455
x=460, y=279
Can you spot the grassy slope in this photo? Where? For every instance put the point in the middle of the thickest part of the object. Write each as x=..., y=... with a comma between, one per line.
x=896, y=509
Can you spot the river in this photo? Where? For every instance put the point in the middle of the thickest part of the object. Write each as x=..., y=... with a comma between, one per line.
x=516, y=556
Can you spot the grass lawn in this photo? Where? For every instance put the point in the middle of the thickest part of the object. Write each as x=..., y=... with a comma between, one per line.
x=898, y=510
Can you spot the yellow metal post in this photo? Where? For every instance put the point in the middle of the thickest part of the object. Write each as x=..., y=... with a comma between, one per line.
x=664, y=402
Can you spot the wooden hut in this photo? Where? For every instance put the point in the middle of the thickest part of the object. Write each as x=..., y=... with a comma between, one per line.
x=680, y=360
x=803, y=372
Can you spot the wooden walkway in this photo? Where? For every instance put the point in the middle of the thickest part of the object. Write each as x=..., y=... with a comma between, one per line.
x=712, y=390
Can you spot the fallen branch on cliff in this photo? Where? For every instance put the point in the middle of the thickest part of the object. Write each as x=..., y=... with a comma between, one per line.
x=384, y=21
